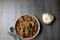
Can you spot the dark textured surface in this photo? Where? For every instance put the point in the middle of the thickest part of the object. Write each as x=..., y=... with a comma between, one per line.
x=49, y=32
x=10, y=10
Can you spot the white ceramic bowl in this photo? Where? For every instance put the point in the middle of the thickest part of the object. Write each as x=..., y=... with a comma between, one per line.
x=37, y=30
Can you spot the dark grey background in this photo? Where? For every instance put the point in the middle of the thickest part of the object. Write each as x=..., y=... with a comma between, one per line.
x=10, y=10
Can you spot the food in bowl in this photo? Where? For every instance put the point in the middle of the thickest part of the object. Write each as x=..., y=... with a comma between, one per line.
x=47, y=18
x=27, y=26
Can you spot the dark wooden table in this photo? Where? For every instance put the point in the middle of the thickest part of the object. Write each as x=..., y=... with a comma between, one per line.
x=10, y=10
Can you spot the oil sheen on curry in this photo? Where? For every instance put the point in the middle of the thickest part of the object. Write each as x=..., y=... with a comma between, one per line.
x=26, y=26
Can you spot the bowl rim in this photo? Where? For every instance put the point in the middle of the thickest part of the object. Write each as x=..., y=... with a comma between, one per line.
x=37, y=30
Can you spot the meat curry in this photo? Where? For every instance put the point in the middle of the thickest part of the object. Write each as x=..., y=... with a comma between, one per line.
x=26, y=26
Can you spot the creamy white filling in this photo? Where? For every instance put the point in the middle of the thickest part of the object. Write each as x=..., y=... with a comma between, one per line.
x=46, y=18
